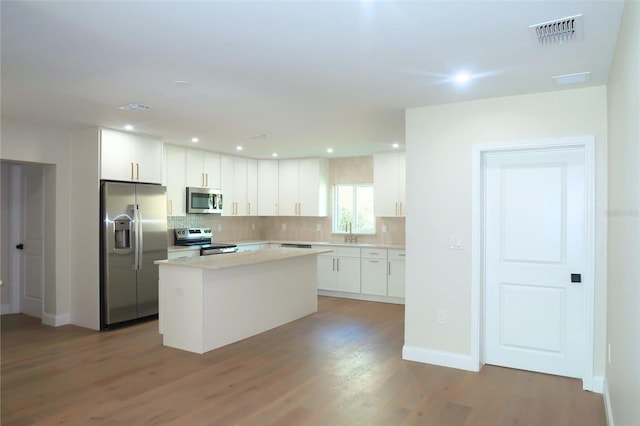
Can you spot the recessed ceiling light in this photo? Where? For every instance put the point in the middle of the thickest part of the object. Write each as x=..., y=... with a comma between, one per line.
x=182, y=83
x=128, y=127
x=395, y=145
x=238, y=148
x=462, y=78
x=330, y=150
x=275, y=154
x=195, y=140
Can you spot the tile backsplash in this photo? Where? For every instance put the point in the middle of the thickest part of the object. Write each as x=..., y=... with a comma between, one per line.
x=288, y=228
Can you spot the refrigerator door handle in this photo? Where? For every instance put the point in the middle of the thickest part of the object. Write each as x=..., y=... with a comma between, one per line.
x=140, y=240
x=136, y=238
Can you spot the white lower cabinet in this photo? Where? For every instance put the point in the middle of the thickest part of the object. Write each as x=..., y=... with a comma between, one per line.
x=340, y=270
x=373, y=266
x=395, y=273
x=375, y=274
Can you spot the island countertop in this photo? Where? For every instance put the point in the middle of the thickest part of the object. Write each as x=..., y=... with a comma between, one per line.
x=236, y=260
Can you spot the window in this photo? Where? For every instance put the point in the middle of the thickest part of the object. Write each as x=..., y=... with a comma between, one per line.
x=353, y=204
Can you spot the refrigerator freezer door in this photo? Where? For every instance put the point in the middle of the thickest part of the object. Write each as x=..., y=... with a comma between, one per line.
x=118, y=273
x=151, y=200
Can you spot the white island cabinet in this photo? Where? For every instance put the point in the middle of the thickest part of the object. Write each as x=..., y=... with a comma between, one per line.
x=212, y=301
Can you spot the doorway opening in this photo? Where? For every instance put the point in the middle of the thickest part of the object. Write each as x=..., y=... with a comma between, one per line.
x=27, y=263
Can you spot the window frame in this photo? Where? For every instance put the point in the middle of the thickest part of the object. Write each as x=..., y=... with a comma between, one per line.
x=335, y=210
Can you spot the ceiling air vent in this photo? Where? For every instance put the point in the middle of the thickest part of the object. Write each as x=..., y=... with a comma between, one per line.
x=558, y=31
x=135, y=107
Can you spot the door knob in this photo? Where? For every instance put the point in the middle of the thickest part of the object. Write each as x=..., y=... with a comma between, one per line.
x=20, y=246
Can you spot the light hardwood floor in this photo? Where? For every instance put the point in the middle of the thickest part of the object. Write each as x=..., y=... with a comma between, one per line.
x=341, y=366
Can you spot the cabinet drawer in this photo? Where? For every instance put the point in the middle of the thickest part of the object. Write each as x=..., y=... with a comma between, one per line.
x=346, y=251
x=396, y=254
x=373, y=253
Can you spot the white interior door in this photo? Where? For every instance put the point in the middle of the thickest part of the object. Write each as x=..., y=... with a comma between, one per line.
x=534, y=241
x=33, y=241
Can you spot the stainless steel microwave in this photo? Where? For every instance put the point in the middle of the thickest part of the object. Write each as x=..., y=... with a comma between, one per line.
x=204, y=200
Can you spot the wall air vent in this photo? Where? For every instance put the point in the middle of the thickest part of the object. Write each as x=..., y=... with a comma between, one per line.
x=135, y=107
x=558, y=31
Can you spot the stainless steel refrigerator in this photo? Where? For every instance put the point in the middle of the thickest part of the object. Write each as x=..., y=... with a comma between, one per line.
x=133, y=221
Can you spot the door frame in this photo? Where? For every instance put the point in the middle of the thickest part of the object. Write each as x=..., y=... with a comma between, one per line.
x=587, y=144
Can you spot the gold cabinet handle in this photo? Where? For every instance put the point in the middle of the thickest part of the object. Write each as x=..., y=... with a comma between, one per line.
x=389, y=268
x=333, y=267
x=138, y=171
x=338, y=264
x=131, y=170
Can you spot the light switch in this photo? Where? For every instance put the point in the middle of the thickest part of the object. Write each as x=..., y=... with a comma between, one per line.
x=319, y=227
x=455, y=242
x=219, y=227
x=384, y=228
x=284, y=226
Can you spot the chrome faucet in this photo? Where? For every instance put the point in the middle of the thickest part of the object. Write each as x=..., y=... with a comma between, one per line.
x=349, y=238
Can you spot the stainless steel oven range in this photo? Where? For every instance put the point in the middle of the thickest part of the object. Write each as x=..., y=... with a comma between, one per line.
x=203, y=239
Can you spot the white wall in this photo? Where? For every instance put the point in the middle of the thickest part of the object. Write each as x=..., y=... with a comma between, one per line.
x=439, y=160
x=49, y=146
x=623, y=295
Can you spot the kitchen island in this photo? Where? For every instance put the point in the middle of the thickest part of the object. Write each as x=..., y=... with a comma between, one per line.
x=212, y=301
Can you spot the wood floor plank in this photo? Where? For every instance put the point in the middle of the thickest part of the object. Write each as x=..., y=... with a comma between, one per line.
x=340, y=366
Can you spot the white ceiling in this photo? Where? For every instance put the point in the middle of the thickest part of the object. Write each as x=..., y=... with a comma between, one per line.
x=308, y=75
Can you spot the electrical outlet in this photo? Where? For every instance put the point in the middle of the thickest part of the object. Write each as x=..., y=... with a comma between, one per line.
x=253, y=226
x=219, y=227
x=319, y=227
x=384, y=228
x=441, y=317
x=179, y=291
x=284, y=226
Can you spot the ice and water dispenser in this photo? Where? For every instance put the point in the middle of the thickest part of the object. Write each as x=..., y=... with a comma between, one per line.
x=122, y=234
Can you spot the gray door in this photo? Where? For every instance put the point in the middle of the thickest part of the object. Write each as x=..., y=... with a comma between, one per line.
x=152, y=216
x=119, y=273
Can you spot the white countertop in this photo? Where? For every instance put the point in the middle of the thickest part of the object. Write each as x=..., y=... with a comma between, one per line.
x=236, y=260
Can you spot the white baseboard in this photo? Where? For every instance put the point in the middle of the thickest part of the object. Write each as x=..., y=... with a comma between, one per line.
x=360, y=296
x=597, y=384
x=607, y=403
x=441, y=358
x=5, y=308
x=55, y=320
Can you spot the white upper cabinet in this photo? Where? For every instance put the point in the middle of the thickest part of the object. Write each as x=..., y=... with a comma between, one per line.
x=267, y=187
x=302, y=187
x=130, y=157
x=389, y=177
x=203, y=169
x=239, y=186
x=174, y=178
x=252, y=187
